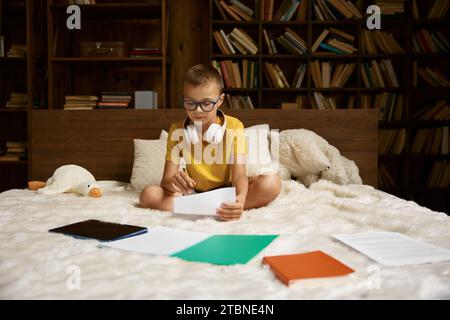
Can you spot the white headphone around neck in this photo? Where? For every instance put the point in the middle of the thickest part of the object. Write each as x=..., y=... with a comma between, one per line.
x=213, y=135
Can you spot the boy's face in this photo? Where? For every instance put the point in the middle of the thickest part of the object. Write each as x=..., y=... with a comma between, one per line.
x=209, y=92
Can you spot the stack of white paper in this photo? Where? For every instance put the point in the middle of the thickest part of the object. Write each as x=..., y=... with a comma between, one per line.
x=394, y=249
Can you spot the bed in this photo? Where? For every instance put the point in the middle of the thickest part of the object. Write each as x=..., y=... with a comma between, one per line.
x=35, y=264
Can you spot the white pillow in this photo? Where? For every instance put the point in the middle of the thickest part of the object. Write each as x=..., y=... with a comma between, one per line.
x=149, y=159
x=259, y=160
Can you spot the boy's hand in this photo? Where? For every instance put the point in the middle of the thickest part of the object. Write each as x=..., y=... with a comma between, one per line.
x=181, y=183
x=230, y=211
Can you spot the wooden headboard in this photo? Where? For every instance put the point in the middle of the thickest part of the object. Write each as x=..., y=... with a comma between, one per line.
x=102, y=140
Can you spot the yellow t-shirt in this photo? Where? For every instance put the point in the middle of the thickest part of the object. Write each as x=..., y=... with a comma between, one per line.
x=206, y=163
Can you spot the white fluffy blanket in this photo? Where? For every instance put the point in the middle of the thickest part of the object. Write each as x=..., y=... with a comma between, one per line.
x=37, y=264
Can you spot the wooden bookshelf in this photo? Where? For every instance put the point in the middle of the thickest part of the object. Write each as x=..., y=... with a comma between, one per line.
x=141, y=24
x=15, y=76
x=411, y=170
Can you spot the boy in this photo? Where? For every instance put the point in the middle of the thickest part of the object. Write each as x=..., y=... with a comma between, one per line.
x=205, y=126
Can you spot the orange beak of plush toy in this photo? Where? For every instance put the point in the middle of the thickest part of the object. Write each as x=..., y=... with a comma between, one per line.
x=95, y=193
x=34, y=185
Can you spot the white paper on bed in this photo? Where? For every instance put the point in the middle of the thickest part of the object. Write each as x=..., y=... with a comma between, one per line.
x=159, y=240
x=394, y=249
x=204, y=203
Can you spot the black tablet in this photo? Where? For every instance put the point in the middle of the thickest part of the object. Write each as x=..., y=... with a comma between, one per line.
x=100, y=230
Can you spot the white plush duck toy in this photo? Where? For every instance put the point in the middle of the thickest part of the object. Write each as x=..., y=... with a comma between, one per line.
x=69, y=178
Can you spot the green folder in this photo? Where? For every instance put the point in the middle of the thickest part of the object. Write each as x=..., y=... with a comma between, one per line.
x=226, y=249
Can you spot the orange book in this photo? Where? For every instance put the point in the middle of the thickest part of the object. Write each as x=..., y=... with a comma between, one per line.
x=316, y=264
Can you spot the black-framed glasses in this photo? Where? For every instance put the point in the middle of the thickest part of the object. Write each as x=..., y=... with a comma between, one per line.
x=205, y=105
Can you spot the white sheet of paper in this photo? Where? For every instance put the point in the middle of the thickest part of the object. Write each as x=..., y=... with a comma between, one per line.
x=394, y=249
x=204, y=203
x=159, y=240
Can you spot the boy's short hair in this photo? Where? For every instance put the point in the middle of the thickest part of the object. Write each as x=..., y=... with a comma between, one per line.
x=202, y=74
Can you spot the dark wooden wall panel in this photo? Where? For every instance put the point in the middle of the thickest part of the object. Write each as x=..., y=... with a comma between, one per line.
x=102, y=140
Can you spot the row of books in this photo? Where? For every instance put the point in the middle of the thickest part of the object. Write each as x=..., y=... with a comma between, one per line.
x=335, y=41
x=431, y=141
x=335, y=10
x=377, y=41
x=440, y=110
x=320, y=101
x=288, y=10
x=385, y=179
x=437, y=11
x=14, y=151
x=434, y=77
x=276, y=78
x=289, y=40
x=237, y=40
x=430, y=42
x=390, y=105
x=234, y=10
x=379, y=74
x=235, y=77
x=391, y=7
x=237, y=102
x=17, y=51
x=328, y=75
x=17, y=100
x=439, y=175
x=391, y=141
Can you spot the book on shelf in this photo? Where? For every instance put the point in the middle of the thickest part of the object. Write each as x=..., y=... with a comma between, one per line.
x=431, y=141
x=377, y=41
x=17, y=51
x=434, y=77
x=391, y=141
x=234, y=76
x=114, y=100
x=391, y=7
x=237, y=40
x=379, y=74
x=334, y=41
x=80, y=102
x=430, y=42
x=2, y=46
x=82, y=2
x=385, y=179
x=14, y=151
x=439, y=110
x=145, y=52
x=292, y=42
x=299, y=76
x=439, y=175
x=17, y=100
x=390, y=105
x=238, y=102
x=329, y=75
x=302, y=102
x=332, y=10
